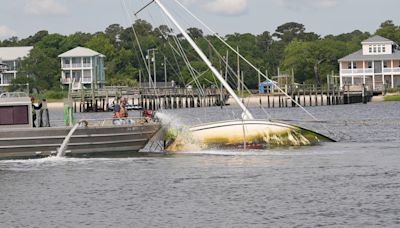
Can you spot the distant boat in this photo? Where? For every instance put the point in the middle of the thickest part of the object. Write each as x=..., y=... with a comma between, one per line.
x=236, y=133
x=18, y=139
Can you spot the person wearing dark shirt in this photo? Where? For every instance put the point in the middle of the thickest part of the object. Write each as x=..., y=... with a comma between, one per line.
x=34, y=108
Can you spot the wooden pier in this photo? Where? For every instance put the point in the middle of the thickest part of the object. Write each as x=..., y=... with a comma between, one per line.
x=306, y=95
x=174, y=98
x=147, y=98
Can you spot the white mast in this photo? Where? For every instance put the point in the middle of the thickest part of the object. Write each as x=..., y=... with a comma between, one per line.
x=246, y=112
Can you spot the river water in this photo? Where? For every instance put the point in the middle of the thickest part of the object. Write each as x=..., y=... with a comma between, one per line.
x=351, y=183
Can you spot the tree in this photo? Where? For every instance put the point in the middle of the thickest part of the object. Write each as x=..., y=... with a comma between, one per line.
x=113, y=32
x=264, y=41
x=289, y=31
x=290, y=46
x=142, y=27
x=42, y=68
x=32, y=40
x=195, y=33
x=101, y=43
x=11, y=42
x=75, y=40
x=389, y=31
x=162, y=31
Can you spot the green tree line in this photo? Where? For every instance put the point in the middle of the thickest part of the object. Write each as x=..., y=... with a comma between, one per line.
x=310, y=56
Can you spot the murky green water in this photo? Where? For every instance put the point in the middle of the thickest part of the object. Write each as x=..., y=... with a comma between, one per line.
x=352, y=183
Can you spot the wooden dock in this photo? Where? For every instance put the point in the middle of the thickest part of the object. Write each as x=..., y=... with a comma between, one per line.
x=306, y=95
x=174, y=98
x=147, y=98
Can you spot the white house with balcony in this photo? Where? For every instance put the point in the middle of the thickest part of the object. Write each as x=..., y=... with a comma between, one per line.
x=10, y=58
x=377, y=65
x=83, y=68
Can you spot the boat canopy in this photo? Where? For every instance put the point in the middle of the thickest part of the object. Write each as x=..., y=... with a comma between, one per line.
x=15, y=110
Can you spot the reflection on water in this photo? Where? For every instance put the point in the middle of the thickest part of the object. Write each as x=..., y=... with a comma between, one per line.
x=352, y=183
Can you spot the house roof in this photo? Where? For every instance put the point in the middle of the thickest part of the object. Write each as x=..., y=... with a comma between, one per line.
x=14, y=53
x=80, y=52
x=358, y=56
x=376, y=39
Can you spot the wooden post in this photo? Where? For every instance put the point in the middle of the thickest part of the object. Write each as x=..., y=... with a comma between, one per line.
x=322, y=96
x=279, y=98
x=316, y=95
x=292, y=95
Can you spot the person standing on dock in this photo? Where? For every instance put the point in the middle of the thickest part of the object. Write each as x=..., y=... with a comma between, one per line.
x=44, y=117
x=34, y=108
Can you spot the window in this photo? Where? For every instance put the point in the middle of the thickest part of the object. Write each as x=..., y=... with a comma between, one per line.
x=355, y=66
x=385, y=64
x=347, y=80
x=10, y=65
x=14, y=115
x=369, y=64
x=383, y=49
x=76, y=60
x=86, y=60
x=66, y=61
x=370, y=48
x=349, y=65
x=379, y=49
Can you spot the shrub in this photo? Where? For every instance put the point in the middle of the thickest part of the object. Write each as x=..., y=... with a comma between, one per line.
x=393, y=90
x=53, y=95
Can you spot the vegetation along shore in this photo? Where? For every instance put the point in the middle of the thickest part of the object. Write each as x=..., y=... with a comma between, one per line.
x=290, y=47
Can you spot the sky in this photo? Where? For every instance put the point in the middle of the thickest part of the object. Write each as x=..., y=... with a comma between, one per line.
x=22, y=18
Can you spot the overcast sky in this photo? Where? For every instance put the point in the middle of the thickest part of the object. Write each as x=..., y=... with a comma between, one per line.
x=25, y=17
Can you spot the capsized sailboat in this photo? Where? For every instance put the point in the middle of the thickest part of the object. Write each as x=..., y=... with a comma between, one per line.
x=242, y=134
x=245, y=133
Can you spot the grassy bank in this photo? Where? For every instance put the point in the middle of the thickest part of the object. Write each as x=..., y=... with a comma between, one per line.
x=51, y=96
x=392, y=98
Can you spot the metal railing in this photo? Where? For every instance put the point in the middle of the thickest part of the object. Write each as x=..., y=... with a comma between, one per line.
x=76, y=65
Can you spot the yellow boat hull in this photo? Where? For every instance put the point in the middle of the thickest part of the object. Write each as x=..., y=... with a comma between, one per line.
x=242, y=134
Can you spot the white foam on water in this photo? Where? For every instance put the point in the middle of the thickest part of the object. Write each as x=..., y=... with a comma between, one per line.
x=50, y=159
x=59, y=160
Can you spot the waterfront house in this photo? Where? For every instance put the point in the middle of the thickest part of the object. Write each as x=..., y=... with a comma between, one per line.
x=10, y=58
x=82, y=68
x=377, y=65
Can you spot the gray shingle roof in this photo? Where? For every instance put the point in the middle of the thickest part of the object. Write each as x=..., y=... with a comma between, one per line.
x=376, y=39
x=358, y=56
x=14, y=53
x=80, y=52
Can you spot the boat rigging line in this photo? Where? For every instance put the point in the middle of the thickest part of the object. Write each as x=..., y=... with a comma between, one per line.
x=250, y=64
x=242, y=57
x=247, y=114
x=135, y=36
